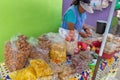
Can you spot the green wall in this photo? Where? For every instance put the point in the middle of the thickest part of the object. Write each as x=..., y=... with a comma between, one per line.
x=29, y=17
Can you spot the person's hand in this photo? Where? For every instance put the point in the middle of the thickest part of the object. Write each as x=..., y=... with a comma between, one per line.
x=84, y=35
x=70, y=36
x=87, y=30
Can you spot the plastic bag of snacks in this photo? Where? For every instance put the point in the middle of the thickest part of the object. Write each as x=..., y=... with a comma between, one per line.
x=110, y=47
x=44, y=44
x=41, y=68
x=56, y=68
x=67, y=71
x=45, y=78
x=96, y=4
x=39, y=49
x=71, y=46
x=80, y=62
x=110, y=37
x=16, y=52
x=54, y=37
x=24, y=74
x=37, y=70
x=57, y=48
x=53, y=77
x=105, y=3
x=70, y=42
x=57, y=52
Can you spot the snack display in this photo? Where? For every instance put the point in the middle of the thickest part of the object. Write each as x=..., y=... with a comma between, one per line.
x=16, y=52
x=49, y=57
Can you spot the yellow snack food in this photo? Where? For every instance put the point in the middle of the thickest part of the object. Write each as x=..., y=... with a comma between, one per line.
x=58, y=53
x=41, y=68
x=24, y=74
x=13, y=75
x=45, y=78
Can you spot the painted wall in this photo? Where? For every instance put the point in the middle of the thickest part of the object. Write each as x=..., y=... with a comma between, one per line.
x=29, y=17
x=91, y=18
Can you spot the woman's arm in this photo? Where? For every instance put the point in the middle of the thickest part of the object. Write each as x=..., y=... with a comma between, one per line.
x=86, y=29
x=83, y=34
x=70, y=26
x=70, y=36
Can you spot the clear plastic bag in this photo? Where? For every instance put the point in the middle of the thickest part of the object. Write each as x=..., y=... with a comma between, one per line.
x=39, y=49
x=58, y=53
x=105, y=3
x=57, y=48
x=80, y=62
x=16, y=52
x=41, y=68
x=96, y=4
x=45, y=78
x=71, y=46
x=110, y=47
x=53, y=77
x=66, y=73
x=56, y=68
x=27, y=73
x=54, y=37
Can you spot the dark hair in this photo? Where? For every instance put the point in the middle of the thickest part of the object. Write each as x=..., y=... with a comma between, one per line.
x=77, y=2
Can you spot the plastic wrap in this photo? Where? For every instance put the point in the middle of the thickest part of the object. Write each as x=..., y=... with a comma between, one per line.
x=110, y=47
x=16, y=52
x=71, y=46
x=80, y=62
x=39, y=49
x=110, y=38
x=56, y=68
x=66, y=73
x=41, y=68
x=58, y=53
x=44, y=44
x=53, y=77
x=96, y=4
x=45, y=78
x=23, y=74
x=105, y=3
x=116, y=40
x=54, y=37
x=57, y=47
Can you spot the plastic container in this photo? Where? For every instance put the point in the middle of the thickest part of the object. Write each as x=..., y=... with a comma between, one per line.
x=101, y=25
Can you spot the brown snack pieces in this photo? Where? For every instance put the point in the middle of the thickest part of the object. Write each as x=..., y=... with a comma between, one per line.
x=40, y=48
x=16, y=52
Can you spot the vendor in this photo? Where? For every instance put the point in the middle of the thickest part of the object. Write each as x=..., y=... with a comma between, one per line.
x=73, y=23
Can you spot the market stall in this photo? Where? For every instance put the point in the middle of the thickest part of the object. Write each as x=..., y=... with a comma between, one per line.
x=47, y=58
x=50, y=57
